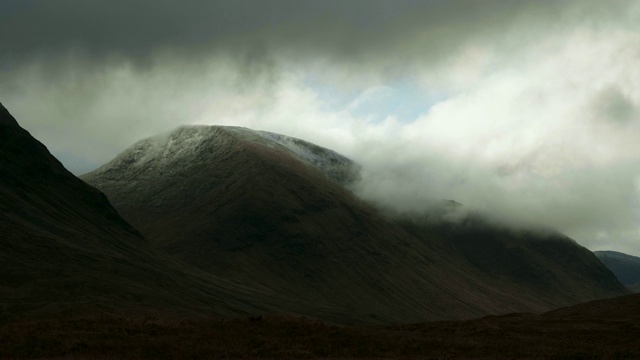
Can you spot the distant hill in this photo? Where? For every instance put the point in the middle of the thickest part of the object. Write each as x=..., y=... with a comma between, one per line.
x=625, y=267
x=263, y=209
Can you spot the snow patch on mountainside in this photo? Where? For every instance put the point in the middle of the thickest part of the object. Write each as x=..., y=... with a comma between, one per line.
x=186, y=145
x=336, y=166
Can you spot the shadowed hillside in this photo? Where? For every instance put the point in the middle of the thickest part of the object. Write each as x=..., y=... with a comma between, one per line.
x=542, y=263
x=625, y=267
x=64, y=248
x=241, y=205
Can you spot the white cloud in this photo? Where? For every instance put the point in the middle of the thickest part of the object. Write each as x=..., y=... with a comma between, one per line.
x=538, y=142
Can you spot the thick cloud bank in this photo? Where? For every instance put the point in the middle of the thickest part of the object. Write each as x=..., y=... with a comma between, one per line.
x=528, y=110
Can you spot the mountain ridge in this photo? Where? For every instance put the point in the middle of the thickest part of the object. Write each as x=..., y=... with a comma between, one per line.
x=65, y=248
x=625, y=267
x=241, y=205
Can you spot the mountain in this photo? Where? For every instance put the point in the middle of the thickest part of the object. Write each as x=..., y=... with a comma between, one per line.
x=63, y=247
x=625, y=267
x=263, y=209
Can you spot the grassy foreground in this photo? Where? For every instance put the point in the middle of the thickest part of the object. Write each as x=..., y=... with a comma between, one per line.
x=513, y=336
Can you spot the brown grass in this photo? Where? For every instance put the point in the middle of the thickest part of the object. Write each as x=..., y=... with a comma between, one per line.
x=512, y=336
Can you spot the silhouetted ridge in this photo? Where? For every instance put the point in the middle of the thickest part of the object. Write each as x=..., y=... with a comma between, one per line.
x=5, y=116
x=63, y=247
x=29, y=166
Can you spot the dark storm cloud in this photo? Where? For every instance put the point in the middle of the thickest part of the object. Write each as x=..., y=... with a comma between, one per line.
x=42, y=30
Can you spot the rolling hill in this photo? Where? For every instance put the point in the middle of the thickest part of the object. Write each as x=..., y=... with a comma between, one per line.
x=262, y=209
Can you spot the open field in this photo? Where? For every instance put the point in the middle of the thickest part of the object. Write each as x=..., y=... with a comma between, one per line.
x=597, y=330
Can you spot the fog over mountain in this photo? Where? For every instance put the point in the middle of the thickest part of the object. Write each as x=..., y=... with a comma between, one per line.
x=266, y=210
x=527, y=110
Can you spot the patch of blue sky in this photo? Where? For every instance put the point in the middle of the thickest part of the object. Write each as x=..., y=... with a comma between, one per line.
x=403, y=99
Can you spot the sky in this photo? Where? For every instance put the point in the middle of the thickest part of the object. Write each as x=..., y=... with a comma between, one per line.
x=525, y=110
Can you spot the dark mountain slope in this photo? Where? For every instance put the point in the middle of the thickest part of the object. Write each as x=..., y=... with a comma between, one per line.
x=63, y=246
x=542, y=262
x=625, y=267
x=239, y=204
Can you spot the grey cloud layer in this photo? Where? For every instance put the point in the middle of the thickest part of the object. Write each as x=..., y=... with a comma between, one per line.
x=32, y=30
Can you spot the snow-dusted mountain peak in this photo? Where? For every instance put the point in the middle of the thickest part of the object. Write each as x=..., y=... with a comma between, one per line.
x=335, y=165
x=192, y=144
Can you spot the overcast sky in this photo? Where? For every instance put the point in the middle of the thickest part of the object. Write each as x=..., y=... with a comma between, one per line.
x=527, y=110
